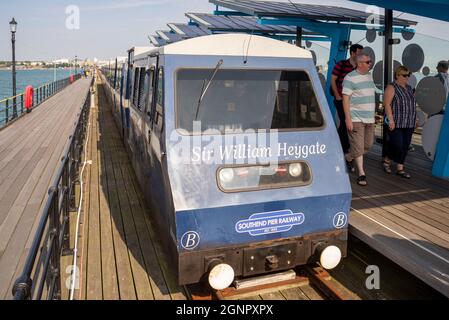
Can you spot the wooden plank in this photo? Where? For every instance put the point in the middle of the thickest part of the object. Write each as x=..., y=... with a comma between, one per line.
x=141, y=281
x=109, y=271
x=22, y=232
x=409, y=254
x=93, y=272
x=157, y=281
x=411, y=201
x=393, y=212
x=276, y=295
x=82, y=292
x=176, y=292
x=310, y=293
x=24, y=188
x=124, y=273
x=294, y=294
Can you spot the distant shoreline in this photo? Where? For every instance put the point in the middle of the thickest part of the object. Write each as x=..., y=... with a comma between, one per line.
x=28, y=69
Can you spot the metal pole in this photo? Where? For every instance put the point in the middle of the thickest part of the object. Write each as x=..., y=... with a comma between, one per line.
x=14, y=88
x=76, y=60
x=388, y=66
x=298, y=36
x=115, y=74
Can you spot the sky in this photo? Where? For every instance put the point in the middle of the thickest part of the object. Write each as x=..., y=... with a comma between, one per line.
x=107, y=28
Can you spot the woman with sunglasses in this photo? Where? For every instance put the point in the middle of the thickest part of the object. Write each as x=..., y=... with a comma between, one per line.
x=400, y=108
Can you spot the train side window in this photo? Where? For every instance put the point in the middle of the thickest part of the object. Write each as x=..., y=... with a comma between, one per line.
x=136, y=86
x=142, y=89
x=159, y=110
x=149, y=102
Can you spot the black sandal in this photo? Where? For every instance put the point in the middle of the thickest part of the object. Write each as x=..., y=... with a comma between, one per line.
x=403, y=174
x=361, y=181
x=387, y=166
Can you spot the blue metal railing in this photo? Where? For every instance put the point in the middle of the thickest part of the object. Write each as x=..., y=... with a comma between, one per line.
x=14, y=107
x=41, y=276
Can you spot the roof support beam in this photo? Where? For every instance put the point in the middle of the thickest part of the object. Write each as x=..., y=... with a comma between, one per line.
x=388, y=66
x=430, y=8
x=441, y=164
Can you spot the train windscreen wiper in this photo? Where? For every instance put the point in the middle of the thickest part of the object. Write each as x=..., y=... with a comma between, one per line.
x=205, y=88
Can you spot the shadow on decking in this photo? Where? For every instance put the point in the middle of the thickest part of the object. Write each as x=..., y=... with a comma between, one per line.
x=132, y=263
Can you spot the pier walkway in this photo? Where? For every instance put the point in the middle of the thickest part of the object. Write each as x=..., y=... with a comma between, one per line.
x=30, y=155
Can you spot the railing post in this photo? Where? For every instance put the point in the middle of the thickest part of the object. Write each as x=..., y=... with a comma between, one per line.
x=55, y=262
x=14, y=107
x=22, y=288
x=7, y=111
x=21, y=104
x=66, y=203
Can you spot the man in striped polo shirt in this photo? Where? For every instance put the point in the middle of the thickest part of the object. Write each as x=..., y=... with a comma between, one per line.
x=340, y=71
x=359, y=103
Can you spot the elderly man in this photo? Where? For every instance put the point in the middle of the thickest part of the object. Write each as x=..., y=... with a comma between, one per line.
x=359, y=104
x=340, y=71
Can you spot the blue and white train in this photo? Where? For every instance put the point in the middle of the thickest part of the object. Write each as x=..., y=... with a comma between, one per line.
x=235, y=149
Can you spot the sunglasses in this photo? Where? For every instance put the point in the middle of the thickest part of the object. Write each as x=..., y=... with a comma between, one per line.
x=406, y=75
x=367, y=62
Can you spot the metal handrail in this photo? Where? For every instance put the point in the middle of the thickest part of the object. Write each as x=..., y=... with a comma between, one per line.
x=12, y=108
x=42, y=269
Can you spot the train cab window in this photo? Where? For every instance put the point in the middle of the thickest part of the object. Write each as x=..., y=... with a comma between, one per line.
x=237, y=100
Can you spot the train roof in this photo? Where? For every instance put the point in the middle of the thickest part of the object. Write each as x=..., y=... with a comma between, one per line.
x=236, y=44
x=140, y=50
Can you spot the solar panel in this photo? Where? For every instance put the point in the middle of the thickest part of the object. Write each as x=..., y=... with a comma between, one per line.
x=219, y=23
x=168, y=36
x=157, y=41
x=188, y=31
x=301, y=10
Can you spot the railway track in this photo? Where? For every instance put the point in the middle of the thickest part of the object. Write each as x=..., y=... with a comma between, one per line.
x=346, y=282
x=304, y=283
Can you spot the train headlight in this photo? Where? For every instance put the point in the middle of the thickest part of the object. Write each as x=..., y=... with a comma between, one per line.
x=259, y=177
x=295, y=169
x=221, y=276
x=330, y=257
x=226, y=175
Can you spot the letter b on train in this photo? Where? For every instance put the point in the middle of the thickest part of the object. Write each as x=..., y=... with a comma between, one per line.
x=190, y=240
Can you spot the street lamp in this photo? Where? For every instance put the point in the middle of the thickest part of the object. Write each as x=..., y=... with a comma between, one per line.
x=13, y=27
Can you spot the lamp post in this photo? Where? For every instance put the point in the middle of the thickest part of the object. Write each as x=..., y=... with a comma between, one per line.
x=13, y=27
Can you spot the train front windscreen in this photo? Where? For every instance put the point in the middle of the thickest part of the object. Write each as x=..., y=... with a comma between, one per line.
x=232, y=101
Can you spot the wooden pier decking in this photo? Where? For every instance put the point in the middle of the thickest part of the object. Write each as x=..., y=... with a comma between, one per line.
x=405, y=220
x=120, y=255
x=30, y=155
